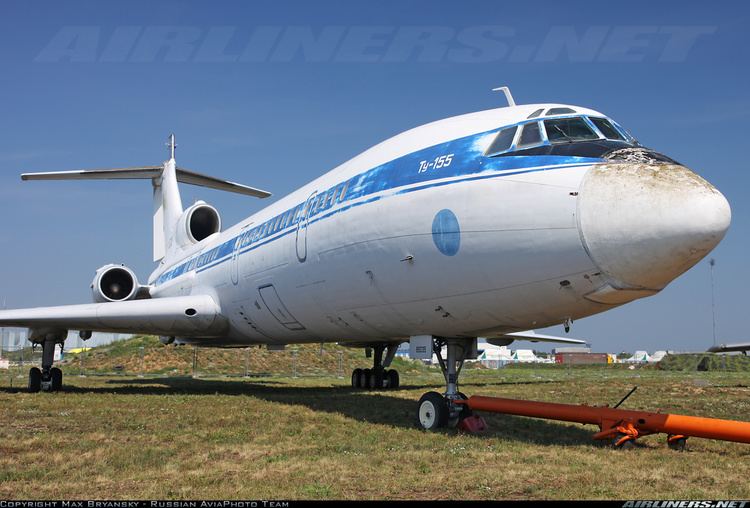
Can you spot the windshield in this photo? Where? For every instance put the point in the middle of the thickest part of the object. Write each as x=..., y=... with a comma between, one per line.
x=502, y=141
x=606, y=128
x=567, y=130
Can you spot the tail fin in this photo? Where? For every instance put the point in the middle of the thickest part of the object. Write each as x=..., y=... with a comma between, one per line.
x=167, y=200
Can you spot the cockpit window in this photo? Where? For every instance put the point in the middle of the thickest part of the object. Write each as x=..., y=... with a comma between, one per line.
x=502, y=141
x=566, y=130
x=607, y=128
x=530, y=135
x=559, y=111
x=535, y=113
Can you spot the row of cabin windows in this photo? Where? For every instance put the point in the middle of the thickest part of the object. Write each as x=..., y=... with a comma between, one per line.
x=557, y=130
x=318, y=203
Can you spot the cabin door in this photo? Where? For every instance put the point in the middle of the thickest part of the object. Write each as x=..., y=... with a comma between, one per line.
x=302, y=228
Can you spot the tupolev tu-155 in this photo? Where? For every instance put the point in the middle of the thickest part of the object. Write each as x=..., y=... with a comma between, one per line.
x=487, y=224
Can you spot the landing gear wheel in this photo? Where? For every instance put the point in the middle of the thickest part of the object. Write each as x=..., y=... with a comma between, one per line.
x=356, y=375
x=375, y=380
x=393, y=381
x=433, y=411
x=364, y=378
x=35, y=379
x=56, y=377
x=676, y=444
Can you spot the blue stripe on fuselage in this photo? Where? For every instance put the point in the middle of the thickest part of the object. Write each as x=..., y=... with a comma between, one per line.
x=397, y=176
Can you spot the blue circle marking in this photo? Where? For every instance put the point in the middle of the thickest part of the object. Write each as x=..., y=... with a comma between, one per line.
x=446, y=232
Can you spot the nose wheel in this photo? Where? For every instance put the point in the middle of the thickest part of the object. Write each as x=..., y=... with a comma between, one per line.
x=435, y=410
x=379, y=377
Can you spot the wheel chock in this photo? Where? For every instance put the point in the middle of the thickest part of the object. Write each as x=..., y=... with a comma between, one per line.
x=473, y=424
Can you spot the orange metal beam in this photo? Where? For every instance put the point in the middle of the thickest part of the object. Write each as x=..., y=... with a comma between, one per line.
x=618, y=421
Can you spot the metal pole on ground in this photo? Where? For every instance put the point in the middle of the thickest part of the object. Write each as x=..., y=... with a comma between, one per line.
x=711, y=264
x=142, y=351
x=341, y=364
x=247, y=362
x=195, y=359
x=294, y=363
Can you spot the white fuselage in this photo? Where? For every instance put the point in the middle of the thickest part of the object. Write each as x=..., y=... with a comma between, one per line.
x=395, y=243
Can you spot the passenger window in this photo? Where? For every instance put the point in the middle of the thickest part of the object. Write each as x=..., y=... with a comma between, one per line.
x=607, y=128
x=502, y=141
x=567, y=130
x=343, y=191
x=530, y=135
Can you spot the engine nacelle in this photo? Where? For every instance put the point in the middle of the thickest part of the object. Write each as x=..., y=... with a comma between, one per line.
x=114, y=283
x=197, y=223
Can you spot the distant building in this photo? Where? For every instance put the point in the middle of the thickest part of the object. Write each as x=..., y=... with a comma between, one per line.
x=571, y=349
x=525, y=356
x=657, y=356
x=582, y=358
x=638, y=357
x=13, y=339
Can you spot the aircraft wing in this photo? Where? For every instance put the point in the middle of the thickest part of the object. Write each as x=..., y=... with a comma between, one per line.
x=726, y=348
x=180, y=315
x=532, y=336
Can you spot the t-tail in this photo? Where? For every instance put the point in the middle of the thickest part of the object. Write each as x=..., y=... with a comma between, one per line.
x=168, y=211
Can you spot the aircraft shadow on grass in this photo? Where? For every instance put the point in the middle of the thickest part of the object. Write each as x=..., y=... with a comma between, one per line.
x=372, y=407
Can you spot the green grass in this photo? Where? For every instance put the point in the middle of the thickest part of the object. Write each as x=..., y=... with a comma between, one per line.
x=315, y=438
x=706, y=361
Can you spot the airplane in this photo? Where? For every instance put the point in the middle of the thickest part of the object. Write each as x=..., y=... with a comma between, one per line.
x=487, y=224
x=742, y=347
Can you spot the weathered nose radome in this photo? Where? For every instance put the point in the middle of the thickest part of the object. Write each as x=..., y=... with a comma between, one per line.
x=644, y=224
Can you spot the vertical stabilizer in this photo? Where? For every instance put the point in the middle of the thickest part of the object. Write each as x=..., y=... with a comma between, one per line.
x=167, y=204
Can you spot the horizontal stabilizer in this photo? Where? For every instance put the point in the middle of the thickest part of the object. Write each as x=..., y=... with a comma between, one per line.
x=149, y=172
x=193, y=178
x=179, y=315
x=145, y=172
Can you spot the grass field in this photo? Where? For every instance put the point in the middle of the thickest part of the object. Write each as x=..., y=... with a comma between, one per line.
x=315, y=438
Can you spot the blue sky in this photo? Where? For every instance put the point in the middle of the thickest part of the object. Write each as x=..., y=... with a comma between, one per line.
x=89, y=84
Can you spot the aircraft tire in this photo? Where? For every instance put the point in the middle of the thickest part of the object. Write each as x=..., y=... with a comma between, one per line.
x=356, y=376
x=393, y=380
x=432, y=413
x=35, y=379
x=364, y=378
x=57, y=377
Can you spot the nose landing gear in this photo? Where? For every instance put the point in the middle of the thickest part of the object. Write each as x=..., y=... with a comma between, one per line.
x=436, y=411
x=379, y=377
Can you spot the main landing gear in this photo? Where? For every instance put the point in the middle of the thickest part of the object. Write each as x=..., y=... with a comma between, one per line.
x=379, y=377
x=436, y=410
x=49, y=378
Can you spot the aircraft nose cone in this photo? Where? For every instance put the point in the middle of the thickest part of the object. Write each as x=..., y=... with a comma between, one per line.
x=644, y=224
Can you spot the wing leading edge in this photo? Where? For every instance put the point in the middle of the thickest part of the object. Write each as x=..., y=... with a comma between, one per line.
x=532, y=336
x=180, y=315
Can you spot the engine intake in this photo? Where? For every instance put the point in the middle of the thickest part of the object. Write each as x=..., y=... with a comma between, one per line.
x=114, y=283
x=198, y=223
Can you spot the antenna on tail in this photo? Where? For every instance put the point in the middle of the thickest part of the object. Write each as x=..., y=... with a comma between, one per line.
x=172, y=144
